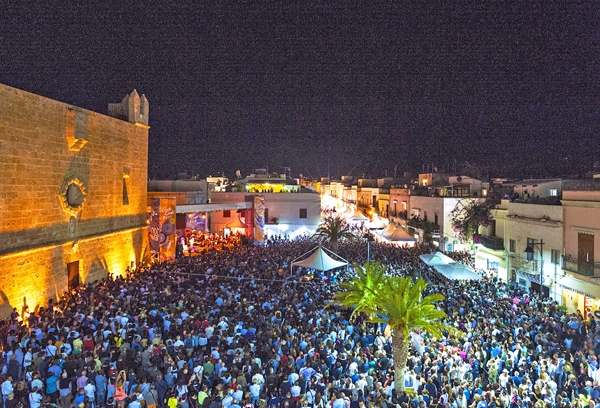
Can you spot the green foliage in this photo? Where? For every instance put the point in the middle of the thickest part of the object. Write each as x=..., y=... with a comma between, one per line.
x=467, y=216
x=361, y=291
x=398, y=300
x=333, y=229
x=427, y=226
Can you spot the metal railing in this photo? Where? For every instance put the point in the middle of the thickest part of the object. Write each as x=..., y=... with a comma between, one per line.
x=492, y=242
x=399, y=214
x=580, y=266
x=531, y=265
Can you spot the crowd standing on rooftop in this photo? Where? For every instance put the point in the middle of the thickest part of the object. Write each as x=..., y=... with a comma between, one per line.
x=235, y=328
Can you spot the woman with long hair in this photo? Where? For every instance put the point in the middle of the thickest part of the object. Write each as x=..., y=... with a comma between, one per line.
x=120, y=393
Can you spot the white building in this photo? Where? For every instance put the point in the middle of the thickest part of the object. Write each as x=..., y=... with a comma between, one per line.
x=516, y=227
x=217, y=183
x=581, y=250
x=463, y=186
x=437, y=210
x=290, y=214
x=538, y=189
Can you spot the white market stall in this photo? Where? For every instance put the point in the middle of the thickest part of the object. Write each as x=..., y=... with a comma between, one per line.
x=395, y=236
x=448, y=268
x=319, y=260
x=376, y=224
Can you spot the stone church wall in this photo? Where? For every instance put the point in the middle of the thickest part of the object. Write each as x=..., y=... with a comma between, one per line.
x=72, y=188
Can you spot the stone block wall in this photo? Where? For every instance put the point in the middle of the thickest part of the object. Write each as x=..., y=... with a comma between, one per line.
x=67, y=175
x=32, y=277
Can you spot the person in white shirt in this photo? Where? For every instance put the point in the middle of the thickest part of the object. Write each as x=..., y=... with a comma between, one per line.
x=503, y=379
x=35, y=398
x=223, y=326
x=255, y=389
x=6, y=389
x=134, y=404
x=260, y=380
x=310, y=396
x=295, y=390
x=50, y=349
x=28, y=359
x=362, y=383
x=90, y=390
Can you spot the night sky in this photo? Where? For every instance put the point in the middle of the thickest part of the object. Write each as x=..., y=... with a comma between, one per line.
x=353, y=87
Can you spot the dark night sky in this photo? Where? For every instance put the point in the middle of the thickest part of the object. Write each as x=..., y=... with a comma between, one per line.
x=361, y=86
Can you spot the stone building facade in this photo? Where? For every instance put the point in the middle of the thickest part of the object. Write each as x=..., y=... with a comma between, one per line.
x=72, y=194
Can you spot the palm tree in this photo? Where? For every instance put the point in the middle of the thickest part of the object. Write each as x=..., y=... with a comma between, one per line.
x=396, y=301
x=333, y=229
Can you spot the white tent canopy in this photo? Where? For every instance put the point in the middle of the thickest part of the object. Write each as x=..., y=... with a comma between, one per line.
x=457, y=273
x=450, y=269
x=357, y=216
x=389, y=230
x=400, y=235
x=342, y=209
x=437, y=258
x=376, y=223
x=319, y=260
x=347, y=212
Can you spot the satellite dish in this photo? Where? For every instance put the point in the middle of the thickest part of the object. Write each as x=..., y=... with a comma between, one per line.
x=459, y=179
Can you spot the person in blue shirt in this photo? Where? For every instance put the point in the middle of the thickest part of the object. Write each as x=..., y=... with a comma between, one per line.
x=100, y=388
x=52, y=387
x=79, y=399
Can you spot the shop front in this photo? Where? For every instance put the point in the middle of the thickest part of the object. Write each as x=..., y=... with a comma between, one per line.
x=580, y=295
x=533, y=282
x=493, y=264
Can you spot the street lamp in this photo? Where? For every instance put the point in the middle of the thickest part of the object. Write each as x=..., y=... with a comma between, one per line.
x=530, y=250
x=369, y=239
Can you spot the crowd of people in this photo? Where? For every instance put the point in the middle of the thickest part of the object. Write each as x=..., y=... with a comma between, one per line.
x=236, y=329
x=193, y=243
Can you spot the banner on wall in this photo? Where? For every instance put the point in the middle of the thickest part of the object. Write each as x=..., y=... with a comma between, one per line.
x=249, y=219
x=168, y=212
x=196, y=221
x=259, y=219
x=154, y=228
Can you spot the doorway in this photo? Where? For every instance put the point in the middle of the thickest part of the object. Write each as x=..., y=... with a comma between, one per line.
x=585, y=254
x=73, y=273
x=545, y=290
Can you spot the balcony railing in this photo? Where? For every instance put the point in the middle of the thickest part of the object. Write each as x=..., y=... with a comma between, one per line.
x=580, y=266
x=491, y=242
x=529, y=265
x=399, y=214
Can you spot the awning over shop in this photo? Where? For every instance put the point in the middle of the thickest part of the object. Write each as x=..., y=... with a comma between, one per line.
x=579, y=286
